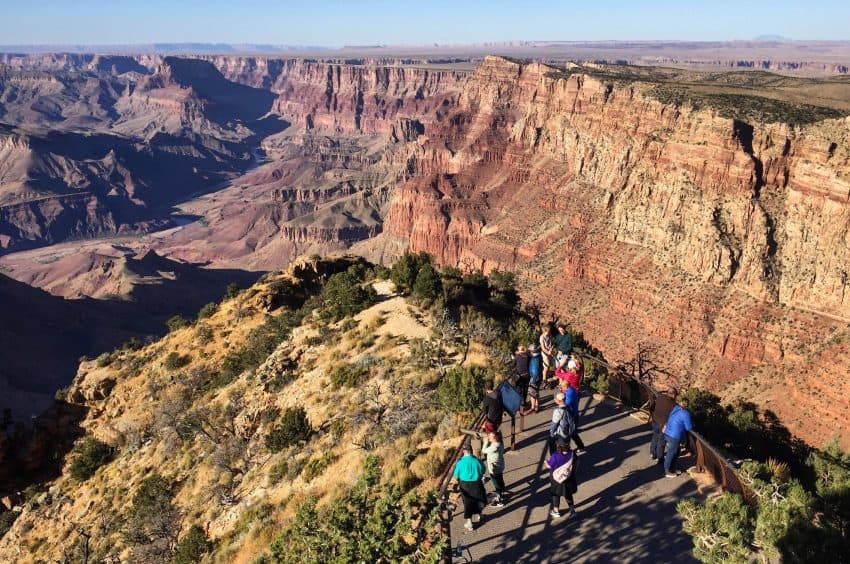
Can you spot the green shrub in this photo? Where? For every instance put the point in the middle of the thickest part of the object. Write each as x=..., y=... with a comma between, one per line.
x=61, y=394
x=175, y=360
x=521, y=332
x=279, y=471
x=176, y=322
x=316, y=466
x=292, y=428
x=105, y=359
x=379, y=529
x=406, y=269
x=204, y=333
x=91, y=454
x=427, y=286
x=208, y=310
x=462, y=389
x=192, y=546
x=343, y=296
x=348, y=375
x=503, y=289
x=132, y=344
x=232, y=291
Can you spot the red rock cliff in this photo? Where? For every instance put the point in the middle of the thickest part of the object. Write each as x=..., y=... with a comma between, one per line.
x=722, y=242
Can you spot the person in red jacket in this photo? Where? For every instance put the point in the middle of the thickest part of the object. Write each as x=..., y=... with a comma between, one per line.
x=568, y=378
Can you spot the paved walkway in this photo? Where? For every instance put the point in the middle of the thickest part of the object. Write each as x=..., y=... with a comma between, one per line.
x=626, y=508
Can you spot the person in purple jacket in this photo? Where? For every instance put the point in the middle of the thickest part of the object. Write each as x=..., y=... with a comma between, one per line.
x=678, y=423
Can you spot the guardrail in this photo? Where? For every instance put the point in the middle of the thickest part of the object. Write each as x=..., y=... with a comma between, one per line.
x=447, y=509
x=639, y=394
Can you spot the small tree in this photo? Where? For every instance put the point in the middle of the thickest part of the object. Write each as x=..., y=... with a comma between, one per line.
x=406, y=269
x=152, y=519
x=192, y=546
x=427, y=285
x=208, y=310
x=232, y=291
x=91, y=454
x=722, y=529
x=175, y=360
x=462, y=389
x=176, y=322
x=293, y=427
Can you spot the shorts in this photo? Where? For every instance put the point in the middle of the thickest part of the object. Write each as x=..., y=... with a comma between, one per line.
x=490, y=427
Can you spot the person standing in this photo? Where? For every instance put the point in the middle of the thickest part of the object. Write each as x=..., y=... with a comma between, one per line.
x=678, y=423
x=469, y=472
x=571, y=403
x=563, y=344
x=494, y=451
x=521, y=362
x=547, y=349
x=535, y=374
x=656, y=446
x=493, y=407
x=563, y=424
x=562, y=478
x=576, y=365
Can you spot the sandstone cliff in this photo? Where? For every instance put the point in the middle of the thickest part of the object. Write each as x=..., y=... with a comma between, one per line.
x=723, y=242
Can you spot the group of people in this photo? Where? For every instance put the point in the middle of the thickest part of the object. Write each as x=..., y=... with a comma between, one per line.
x=550, y=361
x=533, y=365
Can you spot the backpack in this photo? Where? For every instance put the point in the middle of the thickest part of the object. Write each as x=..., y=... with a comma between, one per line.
x=511, y=399
x=535, y=368
x=562, y=473
x=566, y=425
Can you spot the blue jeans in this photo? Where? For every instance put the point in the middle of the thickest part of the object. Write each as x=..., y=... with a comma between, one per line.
x=672, y=452
x=656, y=447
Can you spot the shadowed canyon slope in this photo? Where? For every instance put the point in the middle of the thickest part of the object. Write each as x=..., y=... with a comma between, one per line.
x=702, y=215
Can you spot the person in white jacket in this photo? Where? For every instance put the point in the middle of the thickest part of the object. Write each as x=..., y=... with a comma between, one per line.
x=494, y=451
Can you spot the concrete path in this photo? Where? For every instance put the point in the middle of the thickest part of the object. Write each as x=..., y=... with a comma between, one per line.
x=626, y=508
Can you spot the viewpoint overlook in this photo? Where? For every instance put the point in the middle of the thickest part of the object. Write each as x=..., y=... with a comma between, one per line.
x=245, y=295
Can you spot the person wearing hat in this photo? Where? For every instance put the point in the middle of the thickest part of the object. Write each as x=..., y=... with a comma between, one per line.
x=468, y=473
x=535, y=374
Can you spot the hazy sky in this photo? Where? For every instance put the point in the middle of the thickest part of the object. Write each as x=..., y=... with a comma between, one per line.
x=338, y=22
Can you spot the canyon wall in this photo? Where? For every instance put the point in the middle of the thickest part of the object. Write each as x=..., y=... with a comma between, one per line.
x=721, y=243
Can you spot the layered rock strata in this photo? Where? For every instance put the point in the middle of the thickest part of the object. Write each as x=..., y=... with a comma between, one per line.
x=720, y=242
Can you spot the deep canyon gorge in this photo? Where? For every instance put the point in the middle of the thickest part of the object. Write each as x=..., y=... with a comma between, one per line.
x=708, y=222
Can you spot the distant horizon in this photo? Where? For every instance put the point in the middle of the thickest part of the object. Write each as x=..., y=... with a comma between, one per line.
x=334, y=23
x=228, y=47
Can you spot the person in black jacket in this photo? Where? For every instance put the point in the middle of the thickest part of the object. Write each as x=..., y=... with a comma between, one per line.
x=493, y=408
x=520, y=369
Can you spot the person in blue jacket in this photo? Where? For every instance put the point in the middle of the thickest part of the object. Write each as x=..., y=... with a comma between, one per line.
x=571, y=401
x=535, y=372
x=678, y=423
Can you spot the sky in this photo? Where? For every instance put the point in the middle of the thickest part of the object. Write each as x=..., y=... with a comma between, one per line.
x=335, y=23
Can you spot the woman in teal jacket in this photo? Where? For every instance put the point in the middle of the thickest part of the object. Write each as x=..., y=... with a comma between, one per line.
x=468, y=472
